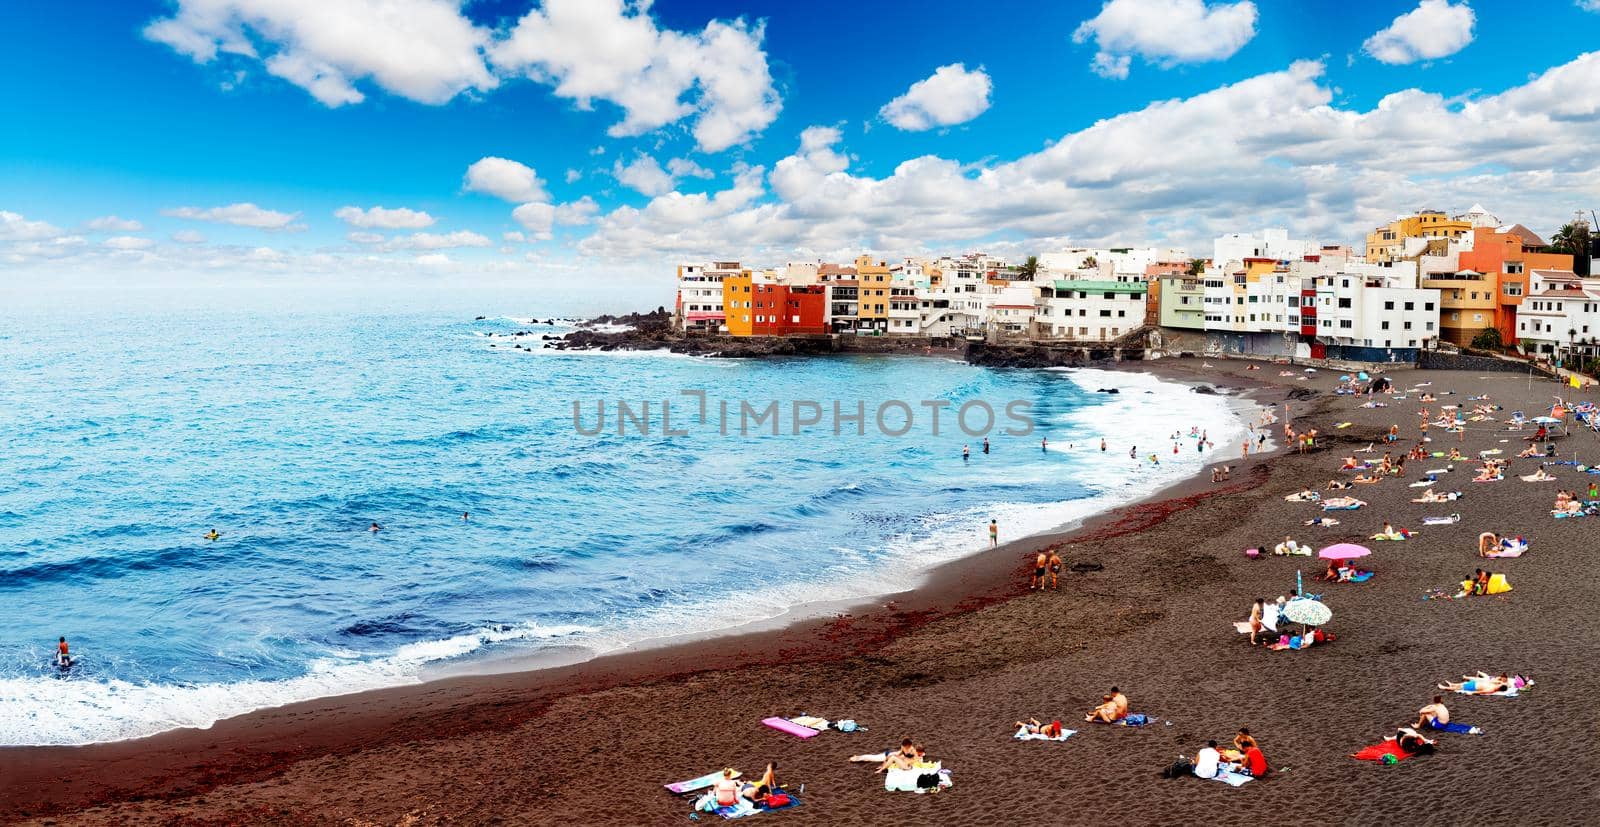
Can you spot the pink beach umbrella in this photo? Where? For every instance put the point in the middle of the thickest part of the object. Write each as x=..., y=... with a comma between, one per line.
x=1344, y=551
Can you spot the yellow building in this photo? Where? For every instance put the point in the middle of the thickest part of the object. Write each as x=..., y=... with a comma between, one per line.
x=873, y=306
x=1387, y=243
x=736, y=303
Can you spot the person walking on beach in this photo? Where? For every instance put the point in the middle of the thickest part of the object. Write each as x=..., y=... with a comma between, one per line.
x=994, y=534
x=1040, y=560
x=1055, y=570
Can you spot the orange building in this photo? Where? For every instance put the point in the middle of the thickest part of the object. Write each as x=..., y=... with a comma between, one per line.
x=1491, y=281
x=785, y=310
x=738, y=303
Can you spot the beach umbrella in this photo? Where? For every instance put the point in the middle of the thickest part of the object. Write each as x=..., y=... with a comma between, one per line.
x=1362, y=376
x=1308, y=612
x=1344, y=551
x=1545, y=420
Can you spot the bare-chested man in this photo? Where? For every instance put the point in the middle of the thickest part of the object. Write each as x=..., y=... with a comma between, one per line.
x=1039, y=563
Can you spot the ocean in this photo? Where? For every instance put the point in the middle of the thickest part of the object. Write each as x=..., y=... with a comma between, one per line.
x=129, y=435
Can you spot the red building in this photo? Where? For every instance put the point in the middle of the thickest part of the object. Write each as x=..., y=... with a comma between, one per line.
x=788, y=310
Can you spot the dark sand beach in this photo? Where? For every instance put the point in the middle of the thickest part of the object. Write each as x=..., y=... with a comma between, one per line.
x=955, y=662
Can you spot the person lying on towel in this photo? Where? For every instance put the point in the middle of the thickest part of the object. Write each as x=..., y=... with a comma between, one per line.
x=1033, y=727
x=1411, y=742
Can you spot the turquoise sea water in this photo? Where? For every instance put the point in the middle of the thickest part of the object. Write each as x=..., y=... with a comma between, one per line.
x=128, y=435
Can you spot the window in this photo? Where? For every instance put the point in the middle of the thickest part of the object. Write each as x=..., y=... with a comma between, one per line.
x=1346, y=324
x=1383, y=326
x=1427, y=306
x=1411, y=306
x=1388, y=305
x=1344, y=303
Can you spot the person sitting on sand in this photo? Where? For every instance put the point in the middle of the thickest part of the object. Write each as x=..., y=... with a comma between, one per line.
x=1208, y=761
x=1530, y=451
x=1289, y=548
x=1332, y=573
x=1254, y=762
x=1350, y=464
x=1487, y=542
x=1433, y=714
x=1033, y=727
x=1113, y=707
x=727, y=789
x=902, y=759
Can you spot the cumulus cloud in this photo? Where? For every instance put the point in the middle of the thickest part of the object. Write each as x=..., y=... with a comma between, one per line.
x=950, y=96
x=425, y=50
x=606, y=50
x=1432, y=30
x=113, y=224
x=506, y=179
x=685, y=168
x=189, y=237
x=1177, y=171
x=513, y=236
x=240, y=215
x=383, y=218
x=129, y=242
x=15, y=227
x=1165, y=33
x=573, y=175
x=437, y=241
x=365, y=237
x=644, y=175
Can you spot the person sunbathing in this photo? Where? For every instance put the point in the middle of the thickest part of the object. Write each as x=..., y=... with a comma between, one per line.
x=1455, y=455
x=766, y=786
x=1033, y=727
x=1337, y=485
x=1363, y=479
x=1348, y=573
x=1113, y=707
x=902, y=759
x=1433, y=714
x=1530, y=451
x=1367, y=450
x=1481, y=684
x=1323, y=522
x=1290, y=548
x=1412, y=743
x=1540, y=475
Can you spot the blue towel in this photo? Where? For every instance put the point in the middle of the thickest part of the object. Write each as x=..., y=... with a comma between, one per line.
x=1457, y=727
x=1134, y=719
x=1361, y=578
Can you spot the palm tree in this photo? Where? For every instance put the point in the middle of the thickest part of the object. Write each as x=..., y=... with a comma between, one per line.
x=1197, y=266
x=1029, y=268
x=1090, y=263
x=1574, y=239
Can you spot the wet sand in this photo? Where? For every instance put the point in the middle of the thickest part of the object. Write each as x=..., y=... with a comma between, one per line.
x=955, y=662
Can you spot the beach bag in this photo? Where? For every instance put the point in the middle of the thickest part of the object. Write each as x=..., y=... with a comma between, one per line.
x=1179, y=769
x=776, y=800
x=846, y=725
x=928, y=781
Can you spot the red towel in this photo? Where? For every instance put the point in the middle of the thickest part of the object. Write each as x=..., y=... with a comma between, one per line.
x=1377, y=751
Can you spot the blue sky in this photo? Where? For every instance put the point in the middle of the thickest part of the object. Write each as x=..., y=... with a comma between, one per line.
x=109, y=116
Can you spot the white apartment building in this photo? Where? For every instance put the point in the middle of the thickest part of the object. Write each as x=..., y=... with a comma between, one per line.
x=1377, y=307
x=1560, y=314
x=699, y=305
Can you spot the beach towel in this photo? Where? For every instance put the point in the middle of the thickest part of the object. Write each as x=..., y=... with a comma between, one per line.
x=786, y=726
x=1024, y=735
x=1134, y=719
x=1457, y=727
x=1378, y=752
x=1360, y=578
x=745, y=808
x=1562, y=515
x=1233, y=779
x=1342, y=425
x=811, y=721
x=1516, y=550
x=1450, y=520
x=1328, y=506
x=905, y=781
x=693, y=784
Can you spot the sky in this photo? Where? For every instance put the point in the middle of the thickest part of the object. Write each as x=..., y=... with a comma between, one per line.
x=591, y=145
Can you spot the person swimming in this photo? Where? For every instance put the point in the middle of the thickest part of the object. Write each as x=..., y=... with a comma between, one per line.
x=63, y=654
x=212, y=534
x=375, y=528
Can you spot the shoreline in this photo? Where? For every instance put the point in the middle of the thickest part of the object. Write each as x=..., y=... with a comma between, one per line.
x=813, y=631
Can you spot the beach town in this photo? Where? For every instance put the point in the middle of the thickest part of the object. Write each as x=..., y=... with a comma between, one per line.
x=1353, y=601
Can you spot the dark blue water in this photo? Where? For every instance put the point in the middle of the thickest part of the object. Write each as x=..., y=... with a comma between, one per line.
x=126, y=437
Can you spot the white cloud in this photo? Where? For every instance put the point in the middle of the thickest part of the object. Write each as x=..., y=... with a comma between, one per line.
x=573, y=175
x=1175, y=172
x=581, y=211
x=506, y=179
x=951, y=95
x=240, y=215
x=1589, y=5
x=513, y=236
x=364, y=237
x=591, y=50
x=537, y=218
x=433, y=260
x=14, y=227
x=685, y=168
x=644, y=175
x=1432, y=30
x=129, y=242
x=189, y=237
x=383, y=218
x=113, y=224
x=425, y=50
x=1165, y=33
x=437, y=241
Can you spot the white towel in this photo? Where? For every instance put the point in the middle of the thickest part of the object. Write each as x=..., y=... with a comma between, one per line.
x=1024, y=735
x=1234, y=779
